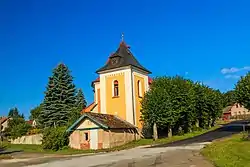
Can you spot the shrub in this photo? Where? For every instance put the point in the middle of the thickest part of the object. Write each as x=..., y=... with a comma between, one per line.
x=55, y=138
x=34, y=131
x=3, y=146
x=245, y=136
x=17, y=127
x=18, y=130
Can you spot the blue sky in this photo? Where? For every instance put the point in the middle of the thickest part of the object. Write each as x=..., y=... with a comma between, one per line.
x=206, y=41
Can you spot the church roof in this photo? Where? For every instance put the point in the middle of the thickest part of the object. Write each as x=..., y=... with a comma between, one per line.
x=124, y=57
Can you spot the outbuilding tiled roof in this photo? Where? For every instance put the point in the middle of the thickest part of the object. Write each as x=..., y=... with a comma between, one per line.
x=105, y=121
x=227, y=109
x=111, y=121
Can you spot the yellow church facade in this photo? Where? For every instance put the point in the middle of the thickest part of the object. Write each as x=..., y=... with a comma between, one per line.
x=115, y=111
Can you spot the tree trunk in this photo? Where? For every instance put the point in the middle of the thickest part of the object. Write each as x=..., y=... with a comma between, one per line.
x=155, y=133
x=197, y=124
x=170, y=132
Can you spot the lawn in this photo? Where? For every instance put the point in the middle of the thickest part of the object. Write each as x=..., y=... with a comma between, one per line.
x=230, y=152
x=142, y=142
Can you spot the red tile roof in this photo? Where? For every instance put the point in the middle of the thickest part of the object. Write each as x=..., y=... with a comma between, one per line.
x=88, y=108
x=111, y=121
x=106, y=121
x=150, y=80
x=3, y=119
x=29, y=122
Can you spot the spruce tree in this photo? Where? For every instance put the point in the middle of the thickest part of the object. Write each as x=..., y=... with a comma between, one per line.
x=14, y=113
x=79, y=106
x=59, y=98
x=80, y=100
x=48, y=107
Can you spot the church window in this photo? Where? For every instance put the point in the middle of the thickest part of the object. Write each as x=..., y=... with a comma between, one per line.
x=115, y=89
x=139, y=88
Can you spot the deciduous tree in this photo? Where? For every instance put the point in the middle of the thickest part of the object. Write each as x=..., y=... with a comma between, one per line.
x=17, y=126
x=180, y=105
x=242, y=91
x=35, y=112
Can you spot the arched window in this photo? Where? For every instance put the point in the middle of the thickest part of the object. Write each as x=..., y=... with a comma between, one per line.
x=115, y=89
x=139, y=89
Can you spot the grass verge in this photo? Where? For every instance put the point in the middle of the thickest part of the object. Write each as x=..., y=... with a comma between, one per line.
x=29, y=148
x=230, y=152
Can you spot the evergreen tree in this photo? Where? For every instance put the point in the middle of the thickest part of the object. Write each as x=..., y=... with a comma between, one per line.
x=80, y=100
x=14, y=113
x=79, y=106
x=59, y=98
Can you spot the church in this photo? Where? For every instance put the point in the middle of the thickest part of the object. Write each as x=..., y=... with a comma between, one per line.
x=113, y=118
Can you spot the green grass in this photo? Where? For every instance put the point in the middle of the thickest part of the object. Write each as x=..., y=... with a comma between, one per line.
x=223, y=122
x=29, y=148
x=231, y=152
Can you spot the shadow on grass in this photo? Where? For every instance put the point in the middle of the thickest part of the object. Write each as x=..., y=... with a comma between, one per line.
x=2, y=152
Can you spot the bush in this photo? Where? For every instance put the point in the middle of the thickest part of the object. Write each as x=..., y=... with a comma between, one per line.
x=55, y=138
x=3, y=146
x=34, y=131
x=17, y=131
x=245, y=136
x=17, y=127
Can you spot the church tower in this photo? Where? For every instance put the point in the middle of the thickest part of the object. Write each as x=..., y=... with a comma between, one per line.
x=121, y=85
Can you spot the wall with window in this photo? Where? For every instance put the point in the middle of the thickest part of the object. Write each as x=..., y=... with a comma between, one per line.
x=139, y=89
x=238, y=109
x=115, y=95
x=81, y=137
x=97, y=96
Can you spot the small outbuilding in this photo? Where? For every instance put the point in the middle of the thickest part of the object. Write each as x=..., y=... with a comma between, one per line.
x=99, y=131
x=235, y=111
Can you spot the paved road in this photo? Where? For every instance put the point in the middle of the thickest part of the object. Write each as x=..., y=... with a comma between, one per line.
x=183, y=153
x=139, y=157
x=224, y=131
